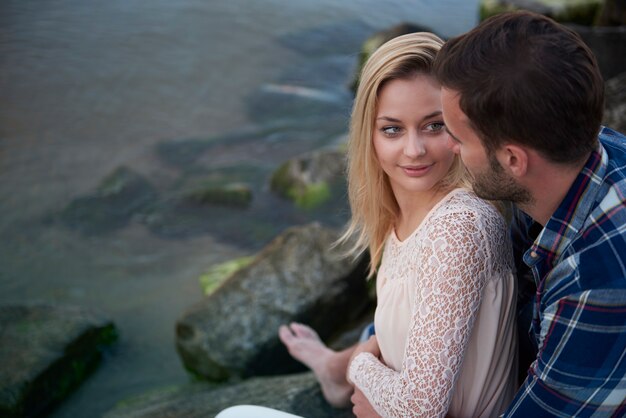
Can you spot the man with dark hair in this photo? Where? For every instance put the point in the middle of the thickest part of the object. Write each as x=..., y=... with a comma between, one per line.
x=523, y=101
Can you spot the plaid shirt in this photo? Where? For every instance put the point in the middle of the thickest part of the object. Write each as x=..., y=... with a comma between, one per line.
x=579, y=265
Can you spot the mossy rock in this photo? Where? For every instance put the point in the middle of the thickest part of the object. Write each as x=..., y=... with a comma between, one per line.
x=311, y=196
x=613, y=13
x=119, y=196
x=583, y=12
x=300, y=276
x=217, y=274
x=298, y=394
x=615, y=111
x=281, y=181
x=304, y=195
x=233, y=194
x=45, y=353
x=379, y=38
x=306, y=180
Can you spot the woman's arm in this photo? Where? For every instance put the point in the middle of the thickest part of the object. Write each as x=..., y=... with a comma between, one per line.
x=450, y=276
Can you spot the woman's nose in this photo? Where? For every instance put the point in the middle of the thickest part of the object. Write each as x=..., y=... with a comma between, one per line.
x=414, y=146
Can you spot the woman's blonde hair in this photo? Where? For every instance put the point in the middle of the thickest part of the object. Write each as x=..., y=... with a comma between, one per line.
x=374, y=207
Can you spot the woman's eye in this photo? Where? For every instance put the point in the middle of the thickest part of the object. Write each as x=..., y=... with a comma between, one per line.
x=435, y=126
x=391, y=130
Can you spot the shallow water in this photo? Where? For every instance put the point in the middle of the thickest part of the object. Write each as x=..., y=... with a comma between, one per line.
x=87, y=87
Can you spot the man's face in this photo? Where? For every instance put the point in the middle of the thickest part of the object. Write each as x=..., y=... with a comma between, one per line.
x=489, y=179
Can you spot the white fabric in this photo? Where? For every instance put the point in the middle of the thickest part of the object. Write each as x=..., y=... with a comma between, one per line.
x=445, y=317
x=251, y=411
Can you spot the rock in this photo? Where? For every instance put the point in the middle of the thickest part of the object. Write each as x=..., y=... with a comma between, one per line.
x=608, y=44
x=119, y=196
x=306, y=180
x=613, y=13
x=232, y=194
x=583, y=12
x=46, y=352
x=379, y=38
x=615, y=100
x=298, y=394
x=297, y=277
x=217, y=274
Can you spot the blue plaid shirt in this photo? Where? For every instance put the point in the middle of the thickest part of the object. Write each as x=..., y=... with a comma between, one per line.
x=579, y=265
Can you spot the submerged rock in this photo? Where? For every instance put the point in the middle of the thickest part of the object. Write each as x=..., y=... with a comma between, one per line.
x=232, y=194
x=613, y=13
x=300, y=277
x=583, y=12
x=615, y=111
x=298, y=394
x=379, y=38
x=121, y=195
x=46, y=352
x=608, y=44
x=307, y=179
x=594, y=20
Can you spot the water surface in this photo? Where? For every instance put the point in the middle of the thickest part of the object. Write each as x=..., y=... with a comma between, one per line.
x=87, y=87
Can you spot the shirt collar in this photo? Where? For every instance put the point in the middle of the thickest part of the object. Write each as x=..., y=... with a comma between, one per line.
x=571, y=214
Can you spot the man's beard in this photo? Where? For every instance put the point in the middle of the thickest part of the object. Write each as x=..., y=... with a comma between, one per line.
x=495, y=184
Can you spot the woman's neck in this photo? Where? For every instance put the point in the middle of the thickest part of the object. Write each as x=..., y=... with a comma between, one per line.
x=414, y=207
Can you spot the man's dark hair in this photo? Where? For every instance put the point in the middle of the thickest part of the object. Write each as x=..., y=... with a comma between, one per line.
x=525, y=78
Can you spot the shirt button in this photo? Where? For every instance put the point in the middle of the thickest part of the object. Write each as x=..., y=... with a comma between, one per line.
x=533, y=254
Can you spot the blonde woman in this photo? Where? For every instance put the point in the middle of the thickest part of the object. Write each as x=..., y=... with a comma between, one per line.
x=445, y=340
x=445, y=327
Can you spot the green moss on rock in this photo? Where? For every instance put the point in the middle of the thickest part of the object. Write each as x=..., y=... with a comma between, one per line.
x=233, y=194
x=216, y=275
x=312, y=195
x=307, y=180
x=305, y=196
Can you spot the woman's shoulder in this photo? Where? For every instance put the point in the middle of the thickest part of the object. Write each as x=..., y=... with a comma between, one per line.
x=465, y=214
x=465, y=200
x=462, y=207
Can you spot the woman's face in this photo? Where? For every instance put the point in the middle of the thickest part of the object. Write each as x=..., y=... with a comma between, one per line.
x=409, y=135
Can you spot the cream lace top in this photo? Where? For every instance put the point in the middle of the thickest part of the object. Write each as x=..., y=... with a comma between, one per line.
x=445, y=319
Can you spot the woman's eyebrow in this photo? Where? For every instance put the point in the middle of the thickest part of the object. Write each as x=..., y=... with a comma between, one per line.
x=432, y=115
x=390, y=119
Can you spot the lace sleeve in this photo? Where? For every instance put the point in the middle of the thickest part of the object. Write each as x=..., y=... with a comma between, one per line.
x=450, y=276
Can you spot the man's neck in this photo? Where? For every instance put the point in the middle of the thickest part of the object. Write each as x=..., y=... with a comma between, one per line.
x=549, y=188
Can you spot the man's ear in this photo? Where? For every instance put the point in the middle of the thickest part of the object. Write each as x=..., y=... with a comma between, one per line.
x=514, y=159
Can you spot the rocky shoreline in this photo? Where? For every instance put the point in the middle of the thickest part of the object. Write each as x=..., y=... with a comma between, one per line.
x=46, y=351
x=229, y=340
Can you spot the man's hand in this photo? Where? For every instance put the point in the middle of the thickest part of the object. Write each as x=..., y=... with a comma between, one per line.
x=362, y=407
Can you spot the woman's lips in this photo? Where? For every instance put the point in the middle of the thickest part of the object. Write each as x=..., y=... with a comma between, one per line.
x=416, y=170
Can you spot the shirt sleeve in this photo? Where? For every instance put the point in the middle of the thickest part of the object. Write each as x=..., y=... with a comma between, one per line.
x=450, y=279
x=581, y=363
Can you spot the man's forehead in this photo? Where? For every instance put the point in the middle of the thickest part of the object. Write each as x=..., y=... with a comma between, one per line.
x=451, y=107
x=450, y=96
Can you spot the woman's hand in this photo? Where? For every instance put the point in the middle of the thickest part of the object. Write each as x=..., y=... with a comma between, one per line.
x=362, y=408
x=361, y=405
